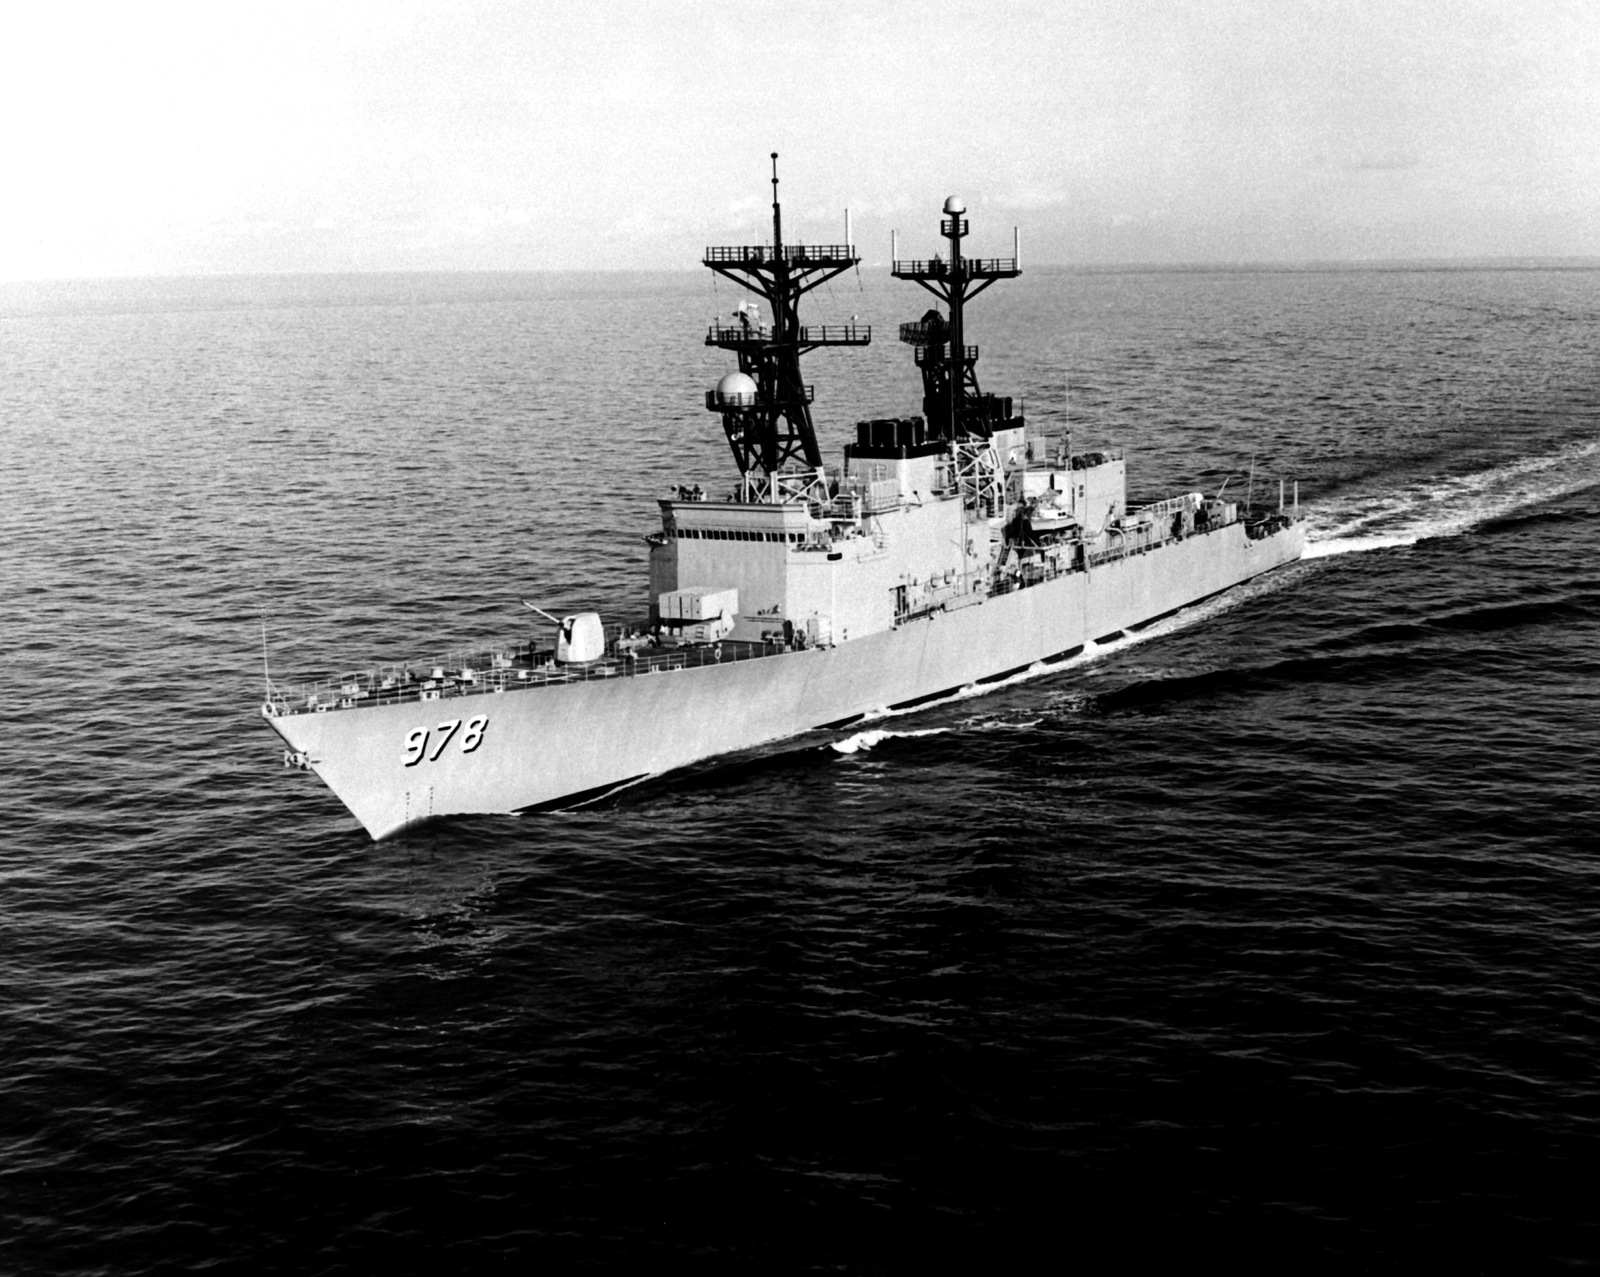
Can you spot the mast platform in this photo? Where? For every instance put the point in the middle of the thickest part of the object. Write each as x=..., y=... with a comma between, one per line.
x=930, y=354
x=971, y=268
x=739, y=337
x=788, y=396
x=754, y=256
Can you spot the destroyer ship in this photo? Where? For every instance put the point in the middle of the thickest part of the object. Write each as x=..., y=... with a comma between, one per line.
x=951, y=549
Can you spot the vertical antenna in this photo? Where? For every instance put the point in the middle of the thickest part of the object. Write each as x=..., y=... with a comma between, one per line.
x=1072, y=486
x=1016, y=246
x=265, y=672
x=777, y=215
x=954, y=229
x=894, y=247
x=849, y=239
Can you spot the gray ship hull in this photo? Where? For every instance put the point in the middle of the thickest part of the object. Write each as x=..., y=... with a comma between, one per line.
x=558, y=744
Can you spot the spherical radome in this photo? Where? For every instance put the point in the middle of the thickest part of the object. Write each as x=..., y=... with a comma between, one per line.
x=736, y=390
x=955, y=204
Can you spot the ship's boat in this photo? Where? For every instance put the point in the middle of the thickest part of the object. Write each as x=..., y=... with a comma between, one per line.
x=952, y=547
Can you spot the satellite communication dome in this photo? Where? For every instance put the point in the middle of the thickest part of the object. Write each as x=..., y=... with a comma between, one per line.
x=955, y=204
x=736, y=390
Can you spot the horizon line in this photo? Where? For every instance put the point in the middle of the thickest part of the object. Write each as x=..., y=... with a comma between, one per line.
x=1579, y=261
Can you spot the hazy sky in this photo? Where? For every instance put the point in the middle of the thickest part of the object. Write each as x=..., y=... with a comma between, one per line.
x=164, y=139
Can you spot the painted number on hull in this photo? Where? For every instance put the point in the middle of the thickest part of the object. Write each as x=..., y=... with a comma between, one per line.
x=417, y=740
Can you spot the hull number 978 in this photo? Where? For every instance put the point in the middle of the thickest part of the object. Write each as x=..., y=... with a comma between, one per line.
x=417, y=742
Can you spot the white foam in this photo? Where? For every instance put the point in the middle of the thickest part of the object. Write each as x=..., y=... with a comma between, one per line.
x=990, y=724
x=1450, y=506
x=1356, y=545
x=866, y=740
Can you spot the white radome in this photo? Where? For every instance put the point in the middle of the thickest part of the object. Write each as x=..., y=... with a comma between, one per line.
x=737, y=390
x=955, y=204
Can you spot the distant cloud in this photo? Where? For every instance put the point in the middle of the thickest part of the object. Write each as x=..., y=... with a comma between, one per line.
x=1381, y=163
x=744, y=206
x=1033, y=197
x=1369, y=158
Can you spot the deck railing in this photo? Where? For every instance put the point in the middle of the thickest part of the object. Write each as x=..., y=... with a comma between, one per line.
x=938, y=354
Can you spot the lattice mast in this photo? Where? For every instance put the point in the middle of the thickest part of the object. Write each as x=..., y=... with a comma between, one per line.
x=769, y=424
x=951, y=399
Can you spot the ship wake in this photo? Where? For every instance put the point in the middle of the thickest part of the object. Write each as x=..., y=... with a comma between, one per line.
x=1444, y=507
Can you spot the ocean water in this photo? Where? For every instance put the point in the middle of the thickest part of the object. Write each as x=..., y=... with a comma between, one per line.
x=1268, y=937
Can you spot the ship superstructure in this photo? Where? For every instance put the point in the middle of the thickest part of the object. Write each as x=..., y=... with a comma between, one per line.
x=951, y=547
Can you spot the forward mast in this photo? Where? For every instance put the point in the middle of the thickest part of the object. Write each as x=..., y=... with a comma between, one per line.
x=766, y=405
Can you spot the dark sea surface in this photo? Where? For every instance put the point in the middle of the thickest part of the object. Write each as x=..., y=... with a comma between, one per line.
x=1271, y=938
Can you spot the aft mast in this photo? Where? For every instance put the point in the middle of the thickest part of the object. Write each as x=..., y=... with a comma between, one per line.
x=951, y=399
x=766, y=406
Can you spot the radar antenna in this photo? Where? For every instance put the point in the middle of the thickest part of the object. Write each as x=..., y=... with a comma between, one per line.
x=771, y=428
